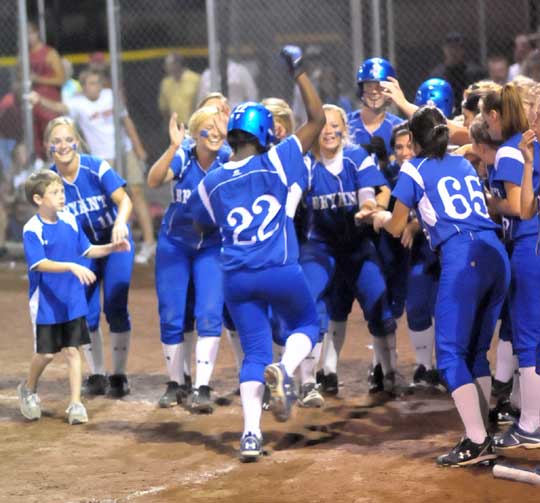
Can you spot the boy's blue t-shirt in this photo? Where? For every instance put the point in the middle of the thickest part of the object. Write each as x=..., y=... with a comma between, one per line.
x=55, y=297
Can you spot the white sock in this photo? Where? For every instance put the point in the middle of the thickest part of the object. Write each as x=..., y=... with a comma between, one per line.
x=530, y=399
x=468, y=406
x=297, y=347
x=483, y=387
x=174, y=359
x=206, y=352
x=392, y=350
x=423, y=342
x=332, y=345
x=94, y=352
x=188, y=351
x=236, y=347
x=505, y=361
x=120, y=349
x=382, y=354
x=515, y=395
x=251, y=394
x=308, y=365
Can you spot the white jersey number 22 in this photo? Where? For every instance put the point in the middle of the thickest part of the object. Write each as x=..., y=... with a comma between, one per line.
x=240, y=219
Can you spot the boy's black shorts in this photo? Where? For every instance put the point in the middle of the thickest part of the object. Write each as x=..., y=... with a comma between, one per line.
x=52, y=338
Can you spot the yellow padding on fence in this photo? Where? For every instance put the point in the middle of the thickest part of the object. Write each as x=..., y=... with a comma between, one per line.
x=138, y=55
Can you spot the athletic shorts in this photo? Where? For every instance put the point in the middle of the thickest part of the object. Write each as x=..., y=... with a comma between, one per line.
x=134, y=169
x=53, y=338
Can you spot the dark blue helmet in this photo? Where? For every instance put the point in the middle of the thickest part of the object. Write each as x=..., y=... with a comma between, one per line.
x=374, y=70
x=436, y=92
x=253, y=118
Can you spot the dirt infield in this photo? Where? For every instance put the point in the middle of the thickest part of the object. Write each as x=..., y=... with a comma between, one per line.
x=133, y=451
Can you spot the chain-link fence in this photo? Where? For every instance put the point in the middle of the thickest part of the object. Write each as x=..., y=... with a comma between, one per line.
x=336, y=36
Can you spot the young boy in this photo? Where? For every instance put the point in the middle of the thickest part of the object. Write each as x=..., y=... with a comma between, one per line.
x=53, y=243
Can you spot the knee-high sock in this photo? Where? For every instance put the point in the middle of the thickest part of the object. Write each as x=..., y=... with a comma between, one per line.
x=94, y=352
x=382, y=354
x=505, y=361
x=332, y=345
x=188, y=351
x=468, y=406
x=251, y=394
x=308, y=365
x=297, y=347
x=530, y=399
x=236, y=347
x=392, y=349
x=483, y=387
x=174, y=359
x=206, y=353
x=423, y=342
x=515, y=395
x=120, y=350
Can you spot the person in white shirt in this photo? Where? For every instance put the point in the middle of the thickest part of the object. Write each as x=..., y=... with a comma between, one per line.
x=93, y=112
x=522, y=48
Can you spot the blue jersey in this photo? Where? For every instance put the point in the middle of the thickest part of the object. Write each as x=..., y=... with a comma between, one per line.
x=88, y=197
x=361, y=136
x=509, y=168
x=447, y=195
x=54, y=297
x=332, y=197
x=177, y=223
x=247, y=200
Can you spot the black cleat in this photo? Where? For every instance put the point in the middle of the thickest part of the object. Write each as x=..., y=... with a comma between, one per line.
x=168, y=399
x=504, y=413
x=95, y=385
x=467, y=453
x=200, y=401
x=118, y=386
x=375, y=379
x=500, y=389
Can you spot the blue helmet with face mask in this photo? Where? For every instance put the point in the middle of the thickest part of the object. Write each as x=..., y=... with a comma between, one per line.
x=253, y=118
x=436, y=92
x=374, y=70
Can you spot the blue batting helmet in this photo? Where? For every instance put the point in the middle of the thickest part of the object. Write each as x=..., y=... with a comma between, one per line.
x=255, y=119
x=375, y=70
x=436, y=92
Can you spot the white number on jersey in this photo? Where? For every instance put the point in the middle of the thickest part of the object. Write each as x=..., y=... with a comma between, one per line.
x=240, y=218
x=106, y=221
x=457, y=205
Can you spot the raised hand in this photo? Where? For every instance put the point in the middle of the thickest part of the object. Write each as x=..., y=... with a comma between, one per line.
x=526, y=145
x=176, y=134
x=292, y=55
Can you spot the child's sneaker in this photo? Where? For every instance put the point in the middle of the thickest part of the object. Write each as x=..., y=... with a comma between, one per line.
x=250, y=446
x=282, y=390
x=29, y=402
x=76, y=413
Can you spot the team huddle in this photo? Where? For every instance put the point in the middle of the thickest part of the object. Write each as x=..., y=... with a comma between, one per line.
x=274, y=232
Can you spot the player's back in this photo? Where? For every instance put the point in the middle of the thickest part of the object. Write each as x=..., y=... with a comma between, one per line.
x=247, y=200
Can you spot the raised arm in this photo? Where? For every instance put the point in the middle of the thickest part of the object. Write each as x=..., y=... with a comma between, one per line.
x=160, y=172
x=528, y=201
x=55, y=106
x=309, y=131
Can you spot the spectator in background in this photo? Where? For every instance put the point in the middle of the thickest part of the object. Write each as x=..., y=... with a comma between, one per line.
x=11, y=126
x=93, y=112
x=71, y=86
x=523, y=46
x=241, y=85
x=178, y=89
x=531, y=65
x=47, y=76
x=98, y=62
x=498, y=69
x=455, y=69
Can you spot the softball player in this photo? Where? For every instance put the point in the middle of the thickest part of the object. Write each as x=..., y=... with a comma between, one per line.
x=247, y=199
x=450, y=204
x=183, y=253
x=506, y=120
x=95, y=194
